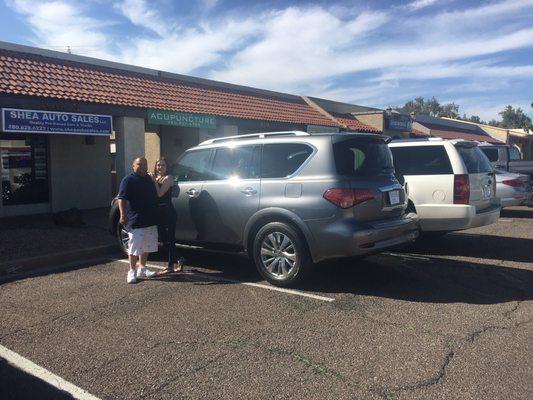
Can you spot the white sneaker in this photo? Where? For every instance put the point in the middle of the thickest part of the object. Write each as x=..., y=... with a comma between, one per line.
x=131, y=276
x=144, y=272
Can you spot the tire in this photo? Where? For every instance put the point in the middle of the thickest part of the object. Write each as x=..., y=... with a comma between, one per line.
x=123, y=239
x=280, y=254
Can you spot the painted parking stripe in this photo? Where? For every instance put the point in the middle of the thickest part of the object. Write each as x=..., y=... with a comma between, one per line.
x=406, y=255
x=43, y=374
x=258, y=285
x=505, y=220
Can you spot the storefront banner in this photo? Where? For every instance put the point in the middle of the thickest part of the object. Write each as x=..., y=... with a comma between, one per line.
x=399, y=122
x=162, y=117
x=53, y=122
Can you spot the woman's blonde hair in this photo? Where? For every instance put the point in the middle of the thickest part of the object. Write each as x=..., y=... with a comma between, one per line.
x=158, y=161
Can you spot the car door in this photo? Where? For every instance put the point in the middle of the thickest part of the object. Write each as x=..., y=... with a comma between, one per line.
x=189, y=173
x=230, y=195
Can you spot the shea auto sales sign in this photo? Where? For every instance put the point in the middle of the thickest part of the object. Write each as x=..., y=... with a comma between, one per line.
x=53, y=122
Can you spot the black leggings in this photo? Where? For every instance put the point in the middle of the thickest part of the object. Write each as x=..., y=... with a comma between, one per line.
x=167, y=231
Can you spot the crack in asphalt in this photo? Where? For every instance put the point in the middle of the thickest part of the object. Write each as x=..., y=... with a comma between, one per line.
x=507, y=314
x=431, y=381
x=437, y=379
x=171, y=379
x=319, y=368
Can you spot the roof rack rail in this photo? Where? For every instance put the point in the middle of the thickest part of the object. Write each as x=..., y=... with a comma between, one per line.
x=259, y=135
x=422, y=139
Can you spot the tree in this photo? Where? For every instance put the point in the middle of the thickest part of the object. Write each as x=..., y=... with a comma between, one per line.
x=515, y=118
x=430, y=107
x=473, y=118
x=511, y=117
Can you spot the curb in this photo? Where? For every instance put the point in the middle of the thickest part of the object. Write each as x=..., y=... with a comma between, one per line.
x=46, y=260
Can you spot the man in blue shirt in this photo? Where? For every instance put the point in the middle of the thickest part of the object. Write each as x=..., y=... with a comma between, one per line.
x=137, y=202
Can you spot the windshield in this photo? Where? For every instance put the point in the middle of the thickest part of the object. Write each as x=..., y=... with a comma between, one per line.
x=356, y=157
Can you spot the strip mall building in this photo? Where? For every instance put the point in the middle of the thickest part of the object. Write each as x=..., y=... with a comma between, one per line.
x=70, y=125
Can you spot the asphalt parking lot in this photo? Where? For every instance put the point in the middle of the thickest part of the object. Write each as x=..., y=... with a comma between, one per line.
x=448, y=318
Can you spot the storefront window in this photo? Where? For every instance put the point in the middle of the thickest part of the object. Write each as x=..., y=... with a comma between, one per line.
x=24, y=169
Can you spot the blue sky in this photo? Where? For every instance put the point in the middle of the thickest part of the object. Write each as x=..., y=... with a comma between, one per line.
x=478, y=54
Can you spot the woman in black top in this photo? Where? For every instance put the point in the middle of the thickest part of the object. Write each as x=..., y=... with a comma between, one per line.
x=167, y=215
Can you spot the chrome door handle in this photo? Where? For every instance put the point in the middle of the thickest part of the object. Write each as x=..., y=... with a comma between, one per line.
x=193, y=193
x=248, y=191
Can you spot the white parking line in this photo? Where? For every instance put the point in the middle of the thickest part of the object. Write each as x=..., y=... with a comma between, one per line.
x=56, y=381
x=505, y=220
x=258, y=285
x=406, y=255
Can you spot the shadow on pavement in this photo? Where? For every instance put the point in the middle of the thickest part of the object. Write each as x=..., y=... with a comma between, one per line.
x=7, y=278
x=423, y=279
x=522, y=212
x=433, y=280
x=478, y=246
x=18, y=385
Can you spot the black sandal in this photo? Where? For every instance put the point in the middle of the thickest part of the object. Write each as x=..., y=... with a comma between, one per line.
x=178, y=267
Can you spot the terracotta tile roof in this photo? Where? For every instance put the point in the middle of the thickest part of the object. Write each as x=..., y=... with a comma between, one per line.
x=418, y=133
x=353, y=123
x=32, y=75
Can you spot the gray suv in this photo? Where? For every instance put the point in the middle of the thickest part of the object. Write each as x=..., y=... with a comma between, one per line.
x=290, y=199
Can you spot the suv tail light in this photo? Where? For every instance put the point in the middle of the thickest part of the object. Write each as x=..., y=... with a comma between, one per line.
x=461, y=189
x=513, y=182
x=346, y=198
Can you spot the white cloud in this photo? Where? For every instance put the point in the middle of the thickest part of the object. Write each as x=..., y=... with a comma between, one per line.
x=296, y=46
x=419, y=4
x=344, y=53
x=141, y=14
x=477, y=69
x=185, y=51
x=59, y=24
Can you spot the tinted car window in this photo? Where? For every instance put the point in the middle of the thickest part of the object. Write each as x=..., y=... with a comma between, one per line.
x=475, y=160
x=239, y=162
x=514, y=154
x=283, y=159
x=492, y=154
x=192, y=166
x=356, y=157
x=421, y=160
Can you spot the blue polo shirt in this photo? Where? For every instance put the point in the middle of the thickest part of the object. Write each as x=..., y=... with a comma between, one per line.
x=141, y=209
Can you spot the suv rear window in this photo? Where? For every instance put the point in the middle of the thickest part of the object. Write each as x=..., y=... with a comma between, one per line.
x=492, y=154
x=421, y=160
x=356, y=157
x=283, y=159
x=475, y=160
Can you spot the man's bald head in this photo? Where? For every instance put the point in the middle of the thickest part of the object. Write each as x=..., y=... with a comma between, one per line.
x=140, y=166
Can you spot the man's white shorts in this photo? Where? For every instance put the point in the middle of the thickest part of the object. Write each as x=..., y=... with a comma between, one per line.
x=142, y=240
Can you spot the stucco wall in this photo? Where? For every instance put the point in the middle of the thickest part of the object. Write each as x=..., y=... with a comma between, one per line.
x=130, y=143
x=152, y=145
x=375, y=120
x=80, y=173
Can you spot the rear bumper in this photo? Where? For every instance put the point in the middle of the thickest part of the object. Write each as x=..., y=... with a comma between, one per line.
x=513, y=201
x=455, y=217
x=346, y=238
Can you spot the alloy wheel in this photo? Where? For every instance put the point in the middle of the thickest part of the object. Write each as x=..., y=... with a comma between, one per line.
x=123, y=237
x=278, y=255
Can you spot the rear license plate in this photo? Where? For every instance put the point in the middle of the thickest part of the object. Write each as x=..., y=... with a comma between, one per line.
x=394, y=197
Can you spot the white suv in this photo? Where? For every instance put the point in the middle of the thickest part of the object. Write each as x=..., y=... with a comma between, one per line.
x=450, y=183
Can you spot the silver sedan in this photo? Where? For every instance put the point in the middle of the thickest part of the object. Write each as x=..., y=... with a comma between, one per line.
x=512, y=189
